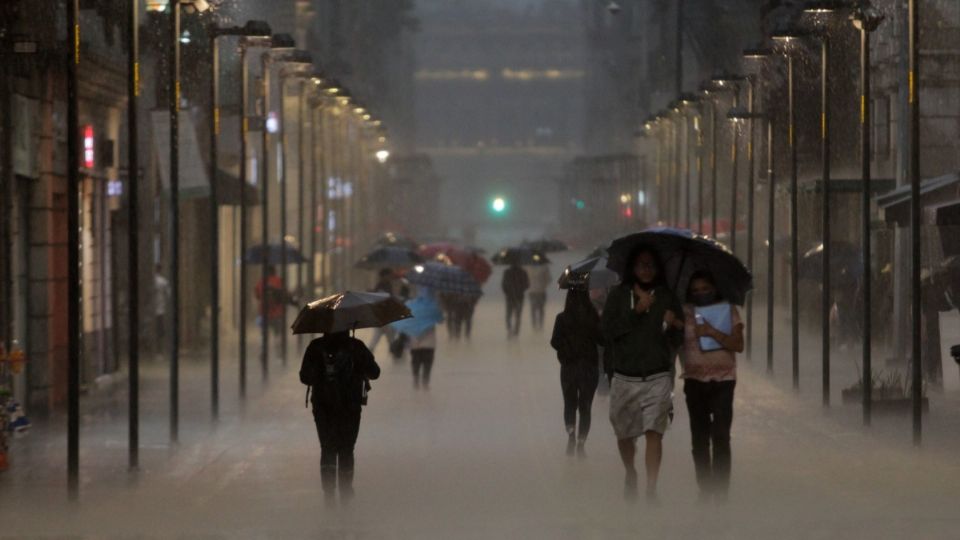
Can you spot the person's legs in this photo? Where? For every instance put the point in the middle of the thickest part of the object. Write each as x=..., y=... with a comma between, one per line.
x=416, y=362
x=628, y=451
x=427, y=359
x=568, y=387
x=349, y=429
x=652, y=459
x=722, y=409
x=328, y=453
x=517, y=319
x=698, y=406
x=468, y=319
x=587, y=383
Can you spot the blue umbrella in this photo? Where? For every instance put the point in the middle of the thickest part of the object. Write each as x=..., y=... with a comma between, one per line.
x=426, y=315
x=274, y=254
x=682, y=253
x=445, y=279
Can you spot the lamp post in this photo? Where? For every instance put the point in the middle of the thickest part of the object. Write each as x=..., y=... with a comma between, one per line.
x=787, y=38
x=732, y=83
x=133, y=236
x=74, y=291
x=281, y=50
x=252, y=29
x=916, y=390
x=709, y=94
x=866, y=19
x=688, y=104
x=823, y=12
x=762, y=53
x=294, y=69
x=246, y=44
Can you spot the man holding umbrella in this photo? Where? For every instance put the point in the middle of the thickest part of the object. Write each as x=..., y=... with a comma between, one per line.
x=337, y=369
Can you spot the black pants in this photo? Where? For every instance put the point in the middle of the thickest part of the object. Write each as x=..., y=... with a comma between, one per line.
x=578, y=381
x=337, y=430
x=468, y=318
x=422, y=362
x=711, y=413
x=538, y=302
x=514, y=311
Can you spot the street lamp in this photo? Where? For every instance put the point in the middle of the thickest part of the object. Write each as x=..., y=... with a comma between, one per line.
x=732, y=83
x=246, y=43
x=688, y=106
x=174, y=110
x=823, y=13
x=709, y=94
x=281, y=51
x=740, y=115
x=252, y=29
x=866, y=19
x=787, y=39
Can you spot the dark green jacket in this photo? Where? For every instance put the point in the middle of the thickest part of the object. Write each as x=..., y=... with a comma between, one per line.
x=638, y=345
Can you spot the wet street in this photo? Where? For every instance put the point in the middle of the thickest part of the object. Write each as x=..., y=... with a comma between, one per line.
x=481, y=455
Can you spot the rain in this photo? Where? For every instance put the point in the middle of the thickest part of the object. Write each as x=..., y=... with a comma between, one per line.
x=479, y=269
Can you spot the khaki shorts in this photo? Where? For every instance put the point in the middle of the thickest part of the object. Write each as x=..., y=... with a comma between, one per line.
x=640, y=405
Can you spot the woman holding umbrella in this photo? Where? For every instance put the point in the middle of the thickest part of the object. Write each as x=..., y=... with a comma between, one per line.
x=422, y=333
x=642, y=324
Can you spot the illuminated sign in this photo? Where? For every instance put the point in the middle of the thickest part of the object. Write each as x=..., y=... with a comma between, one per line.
x=88, y=146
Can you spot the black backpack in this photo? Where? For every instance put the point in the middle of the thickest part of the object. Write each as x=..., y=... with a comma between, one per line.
x=330, y=377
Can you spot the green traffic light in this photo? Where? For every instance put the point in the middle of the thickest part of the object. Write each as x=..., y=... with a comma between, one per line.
x=498, y=205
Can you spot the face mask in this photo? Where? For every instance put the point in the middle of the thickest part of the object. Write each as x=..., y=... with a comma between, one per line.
x=704, y=299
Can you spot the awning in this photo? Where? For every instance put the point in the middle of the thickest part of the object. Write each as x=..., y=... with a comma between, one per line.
x=849, y=185
x=194, y=181
x=933, y=193
x=943, y=215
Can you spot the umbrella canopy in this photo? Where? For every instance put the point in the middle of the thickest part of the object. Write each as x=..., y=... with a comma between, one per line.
x=445, y=279
x=467, y=258
x=843, y=255
x=683, y=253
x=389, y=257
x=426, y=314
x=599, y=251
x=546, y=245
x=589, y=273
x=349, y=311
x=274, y=254
x=396, y=240
x=520, y=255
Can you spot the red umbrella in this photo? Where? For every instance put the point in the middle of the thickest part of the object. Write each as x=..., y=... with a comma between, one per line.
x=469, y=260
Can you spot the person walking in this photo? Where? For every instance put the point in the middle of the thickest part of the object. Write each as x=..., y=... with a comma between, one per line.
x=642, y=324
x=709, y=375
x=270, y=290
x=540, y=280
x=515, y=284
x=337, y=369
x=421, y=334
x=576, y=338
x=161, y=299
x=386, y=283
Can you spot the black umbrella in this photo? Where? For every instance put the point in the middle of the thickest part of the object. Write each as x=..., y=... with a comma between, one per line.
x=843, y=256
x=589, y=273
x=546, y=245
x=520, y=255
x=349, y=311
x=395, y=240
x=683, y=253
x=274, y=254
x=445, y=279
x=599, y=251
x=389, y=257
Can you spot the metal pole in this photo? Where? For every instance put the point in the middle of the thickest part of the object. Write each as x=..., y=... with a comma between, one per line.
x=771, y=221
x=678, y=73
x=74, y=291
x=678, y=129
x=174, y=109
x=265, y=216
x=914, y=102
x=687, y=185
x=244, y=129
x=794, y=229
x=301, y=163
x=713, y=171
x=316, y=175
x=751, y=139
x=700, y=152
x=283, y=213
x=866, y=283
x=825, y=214
x=133, y=234
x=214, y=228
x=735, y=164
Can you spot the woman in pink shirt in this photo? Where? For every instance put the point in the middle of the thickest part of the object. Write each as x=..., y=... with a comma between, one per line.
x=709, y=380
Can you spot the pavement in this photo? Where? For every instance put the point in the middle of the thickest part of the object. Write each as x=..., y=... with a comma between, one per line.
x=480, y=455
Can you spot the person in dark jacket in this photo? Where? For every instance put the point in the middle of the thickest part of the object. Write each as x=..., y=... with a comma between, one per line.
x=515, y=284
x=337, y=368
x=643, y=328
x=576, y=338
